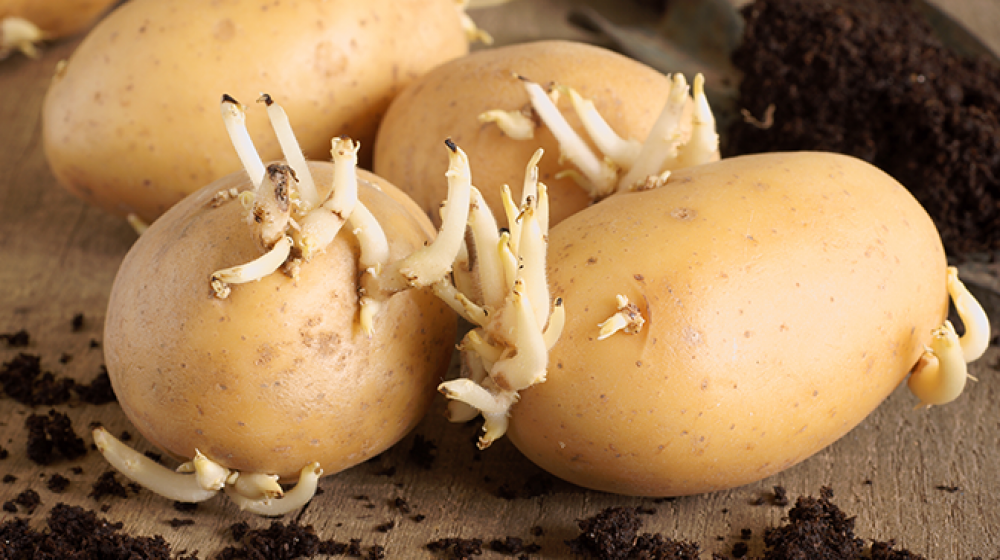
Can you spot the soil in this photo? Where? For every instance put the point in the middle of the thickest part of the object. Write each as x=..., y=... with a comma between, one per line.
x=23, y=379
x=283, y=541
x=613, y=534
x=869, y=78
x=51, y=436
x=73, y=532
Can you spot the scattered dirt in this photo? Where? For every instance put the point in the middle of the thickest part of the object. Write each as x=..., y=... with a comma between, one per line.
x=283, y=541
x=73, y=532
x=613, y=534
x=24, y=380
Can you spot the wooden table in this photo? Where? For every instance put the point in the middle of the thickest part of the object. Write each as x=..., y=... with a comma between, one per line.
x=927, y=478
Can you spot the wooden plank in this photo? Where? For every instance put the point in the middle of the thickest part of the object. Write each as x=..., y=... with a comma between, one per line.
x=59, y=256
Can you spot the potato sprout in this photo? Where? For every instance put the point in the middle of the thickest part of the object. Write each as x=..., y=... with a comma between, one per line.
x=293, y=224
x=628, y=319
x=292, y=221
x=508, y=351
x=940, y=375
x=19, y=34
x=679, y=138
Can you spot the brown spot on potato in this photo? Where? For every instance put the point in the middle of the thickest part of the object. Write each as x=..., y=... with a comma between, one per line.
x=683, y=214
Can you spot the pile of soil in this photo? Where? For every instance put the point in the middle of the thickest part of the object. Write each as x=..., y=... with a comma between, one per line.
x=869, y=78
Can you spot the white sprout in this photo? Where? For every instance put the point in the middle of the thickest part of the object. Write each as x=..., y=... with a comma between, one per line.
x=294, y=233
x=254, y=270
x=433, y=262
x=201, y=479
x=679, y=138
x=507, y=352
x=17, y=33
x=257, y=486
x=976, y=338
x=473, y=33
x=942, y=371
x=515, y=124
x=235, y=118
x=293, y=153
x=292, y=500
x=628, y=319
x=319, y=227
x=150, y=474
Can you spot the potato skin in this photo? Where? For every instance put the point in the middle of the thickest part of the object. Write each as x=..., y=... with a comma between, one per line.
x=132, y=122
x=278, y=375
x=785, y=296
x=447, y=101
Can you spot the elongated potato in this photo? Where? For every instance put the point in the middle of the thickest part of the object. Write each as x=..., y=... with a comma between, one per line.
x=773, y=301
x=127, y=122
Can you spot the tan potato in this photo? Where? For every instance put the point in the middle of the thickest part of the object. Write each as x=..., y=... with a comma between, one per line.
x=448, y=101
x=127, y=122
x=279, y=374
x=776, y=300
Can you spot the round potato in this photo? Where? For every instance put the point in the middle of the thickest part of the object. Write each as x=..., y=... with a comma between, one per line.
x=130, y=122
x=771, y=302
x=447, y=102
x=279, y=374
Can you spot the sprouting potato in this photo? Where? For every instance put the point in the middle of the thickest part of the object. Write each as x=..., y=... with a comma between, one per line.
x=728, y=324
x=609, y=122
x=111, y=130
x=279, y=324
x=25, y=23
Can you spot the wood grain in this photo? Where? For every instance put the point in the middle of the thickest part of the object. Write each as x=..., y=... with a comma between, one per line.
x=58, y=258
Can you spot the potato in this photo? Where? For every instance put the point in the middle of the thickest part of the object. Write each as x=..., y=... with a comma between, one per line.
x=448, y=102
x=733, y=322
x=126, y=122
x=278, y=374
x=26, y=22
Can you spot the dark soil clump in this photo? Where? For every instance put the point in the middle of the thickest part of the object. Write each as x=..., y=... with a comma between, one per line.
x=816, y=529
x=287, y=541
x=73, y=532
x=457, y=548
x=57, y=483
x=18, y=339
x=24, y=380
x=613, y=534
x=108, y=485
x=51, y=435
x=870, y=79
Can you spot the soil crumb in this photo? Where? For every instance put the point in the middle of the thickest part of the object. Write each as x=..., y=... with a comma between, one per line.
x=18, y=339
